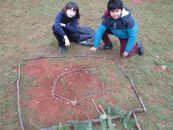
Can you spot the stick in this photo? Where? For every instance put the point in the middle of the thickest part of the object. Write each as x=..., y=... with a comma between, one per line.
x=41, y=57
x=56, y=80
x=62, y=56
x=10, y=72
x=102, y=109
x=89, y=56
x=13, y=82
x=69, y=100
x=86, y=115
x=58, y=96
x=95, y=106
x=72, y=101
x=18, y=98
x=133, y=87
x=136, y=122
x=89, y=96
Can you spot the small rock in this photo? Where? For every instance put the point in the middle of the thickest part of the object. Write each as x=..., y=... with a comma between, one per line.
x=163, y=67
x=37, y=102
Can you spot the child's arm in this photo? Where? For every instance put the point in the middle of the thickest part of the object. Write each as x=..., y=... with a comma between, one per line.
x=98, y=35
x=59, y=29
x=97, y=38
x=72, y=26
x=132, y=35
x=58, y=26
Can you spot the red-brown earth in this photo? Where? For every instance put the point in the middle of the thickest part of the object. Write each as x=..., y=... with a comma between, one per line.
x=46, y=109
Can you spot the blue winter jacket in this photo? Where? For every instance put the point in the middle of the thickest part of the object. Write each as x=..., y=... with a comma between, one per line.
x=124, y=27
x=71, y=23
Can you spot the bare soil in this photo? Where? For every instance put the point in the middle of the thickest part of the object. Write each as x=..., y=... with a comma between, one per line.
x=46, y=109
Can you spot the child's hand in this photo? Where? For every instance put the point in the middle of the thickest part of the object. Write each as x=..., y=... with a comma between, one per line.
x=67, y=42
x=125, y=54
x=92, y=49
x=62, y=24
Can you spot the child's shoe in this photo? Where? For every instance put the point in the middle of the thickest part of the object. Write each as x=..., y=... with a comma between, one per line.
x=140, y=49
x=107, y=47
x=62, y=50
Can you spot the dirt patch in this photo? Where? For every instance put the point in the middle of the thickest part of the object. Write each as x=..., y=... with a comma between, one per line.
x=142, y=1
x=73, y=85
x=137, y=1
x=162, y=69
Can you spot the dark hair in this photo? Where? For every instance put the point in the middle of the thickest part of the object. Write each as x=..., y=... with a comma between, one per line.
x=114, y=4
x=73, y=5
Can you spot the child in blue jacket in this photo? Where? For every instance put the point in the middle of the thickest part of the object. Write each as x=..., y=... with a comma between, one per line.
x=66, y=25
x=119, y=22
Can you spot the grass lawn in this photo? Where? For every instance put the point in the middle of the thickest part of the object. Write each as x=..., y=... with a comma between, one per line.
x=25, y=31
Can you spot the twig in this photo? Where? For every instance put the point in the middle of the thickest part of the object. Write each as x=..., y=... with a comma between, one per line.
x=86, y=115
x=102, y=109
x=18, y=98
x=95, y=106
x=58, y=96
x=54, y=86
x=73, y=102
x=133, y=87
x=143, y=105
x=10, y=72
x=56, y=80
x=62, y=56
x=41, y=57
x=89, y=96
x=14, y=81
x=76, y=119
x=89, y=56
x=136, y=122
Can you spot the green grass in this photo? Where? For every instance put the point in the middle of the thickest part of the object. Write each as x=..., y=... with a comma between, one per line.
x=26, y=31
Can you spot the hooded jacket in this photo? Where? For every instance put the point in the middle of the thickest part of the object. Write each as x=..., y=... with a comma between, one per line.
x=124, y=27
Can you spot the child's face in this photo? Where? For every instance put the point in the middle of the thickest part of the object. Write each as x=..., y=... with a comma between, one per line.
x=71, y=12
x=116, y=13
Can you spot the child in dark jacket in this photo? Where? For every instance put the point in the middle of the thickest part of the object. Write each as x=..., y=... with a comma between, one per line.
x=65, y=27
x=119, y=22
